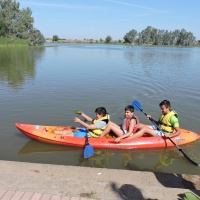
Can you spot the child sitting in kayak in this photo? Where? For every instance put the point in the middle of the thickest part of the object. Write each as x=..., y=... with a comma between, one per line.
x=168, y=123
x=127, y=129
x=94, y=129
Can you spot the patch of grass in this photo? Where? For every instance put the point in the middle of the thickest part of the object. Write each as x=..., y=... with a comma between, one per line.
x=90, y=195
x=11, y=41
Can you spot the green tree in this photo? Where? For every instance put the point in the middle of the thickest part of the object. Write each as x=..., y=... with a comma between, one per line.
x=101, y=40
x=146, y=35
x=185, y=38
x=3, y=29
x=55, y=38
x=108, y=39
x=35, y=37
x=154, y=36
x=154, y=33
x=139, y=39
x=17, y=23
x=175, y=36
x=158, y=38
x=130, y=37
x=191, y=40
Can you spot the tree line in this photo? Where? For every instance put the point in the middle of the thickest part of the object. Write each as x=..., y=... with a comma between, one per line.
x=16, y=23
x=154, y=36
x=150, y=36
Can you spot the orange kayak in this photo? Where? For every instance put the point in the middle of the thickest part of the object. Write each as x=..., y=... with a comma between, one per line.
x=45, y=134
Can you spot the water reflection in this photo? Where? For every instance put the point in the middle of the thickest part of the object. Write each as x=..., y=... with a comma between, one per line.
x=129, y=157
x=165, y=159
x=100, y=159
x=18, y=64
x=34, y=147
x=156, y=160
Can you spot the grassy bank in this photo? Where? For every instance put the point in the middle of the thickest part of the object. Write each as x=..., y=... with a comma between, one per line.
x=5, y=42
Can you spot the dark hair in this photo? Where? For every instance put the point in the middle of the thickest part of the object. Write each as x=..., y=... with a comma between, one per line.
x=166, y=103
x=130, y=108
x=101, y=111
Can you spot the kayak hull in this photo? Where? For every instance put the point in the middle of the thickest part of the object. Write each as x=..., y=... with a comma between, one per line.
x=39, y=133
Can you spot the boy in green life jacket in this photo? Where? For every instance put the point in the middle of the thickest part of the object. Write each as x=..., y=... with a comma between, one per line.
x=168, y=123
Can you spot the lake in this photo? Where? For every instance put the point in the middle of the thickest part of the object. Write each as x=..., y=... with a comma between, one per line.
x=44, y=85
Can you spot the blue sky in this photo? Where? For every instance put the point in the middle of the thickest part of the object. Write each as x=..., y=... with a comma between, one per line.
x=95, y=19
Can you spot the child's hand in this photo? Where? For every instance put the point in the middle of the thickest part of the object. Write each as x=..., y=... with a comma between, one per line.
x=77, y=120
x=148, y=116
x=78, y=112
x=117, y=139
x=167, y=135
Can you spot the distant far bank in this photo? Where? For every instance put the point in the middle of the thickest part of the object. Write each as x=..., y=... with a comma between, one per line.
x=83, y=41
x=16, y=42
x=112, y=42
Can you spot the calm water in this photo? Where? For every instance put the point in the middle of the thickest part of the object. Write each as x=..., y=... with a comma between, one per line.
x=45, y=85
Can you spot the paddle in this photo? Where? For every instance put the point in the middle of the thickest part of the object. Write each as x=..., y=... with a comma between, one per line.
x=89, y=150
x=138, y=107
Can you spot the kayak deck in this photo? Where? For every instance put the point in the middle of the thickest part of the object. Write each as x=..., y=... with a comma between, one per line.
x=45, y=134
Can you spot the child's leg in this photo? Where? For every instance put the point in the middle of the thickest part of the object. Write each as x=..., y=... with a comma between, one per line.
x=113, y=124
x=140, y=126
x=144, y=130
x=107, y=130
x=116, y=130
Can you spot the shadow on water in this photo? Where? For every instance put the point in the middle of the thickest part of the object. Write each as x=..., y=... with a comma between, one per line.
x=18, y=64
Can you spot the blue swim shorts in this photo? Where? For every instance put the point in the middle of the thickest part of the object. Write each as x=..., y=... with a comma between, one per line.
x=81, y=133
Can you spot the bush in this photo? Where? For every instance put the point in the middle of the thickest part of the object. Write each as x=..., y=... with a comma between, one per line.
x=11, y=41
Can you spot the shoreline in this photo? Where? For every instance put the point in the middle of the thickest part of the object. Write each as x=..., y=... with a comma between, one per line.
x=94, y=183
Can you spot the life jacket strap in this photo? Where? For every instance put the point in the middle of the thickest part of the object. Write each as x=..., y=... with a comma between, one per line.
x=164, y=124
x=94, y=133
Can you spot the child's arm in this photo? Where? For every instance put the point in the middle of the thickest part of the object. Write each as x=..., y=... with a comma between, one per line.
x=89, y=119
x=79, y=112
x=88, y=126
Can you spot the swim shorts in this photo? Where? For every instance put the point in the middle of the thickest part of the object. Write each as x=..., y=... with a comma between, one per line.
x=158, y=133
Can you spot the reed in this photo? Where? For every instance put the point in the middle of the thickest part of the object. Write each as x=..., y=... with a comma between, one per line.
x=11, y=41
